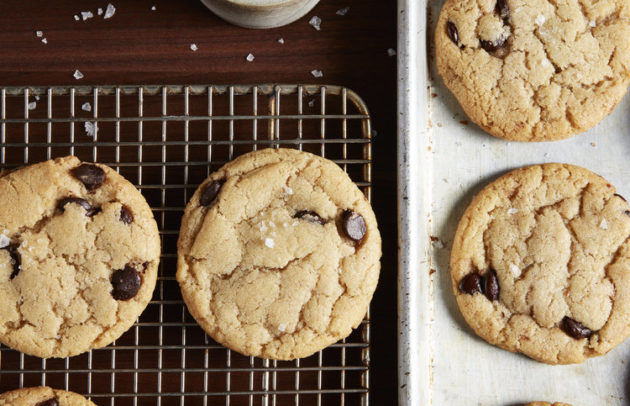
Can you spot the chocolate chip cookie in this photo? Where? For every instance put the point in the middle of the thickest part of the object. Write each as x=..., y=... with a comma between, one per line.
x=79, y=252
x=42, y=396
x=541, y=264
x=278, y=254
x=535, y=70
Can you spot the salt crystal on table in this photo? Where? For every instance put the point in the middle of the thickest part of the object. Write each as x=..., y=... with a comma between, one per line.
x=281, y=40
x=311, y=103
x=78, y=75
x=39, y=34
x=86, y=106
x=317, y=73
x=316, y=22
x=32, y=105
x=4, y=241
x=90, y=128
x=343, y=11
x=153, y=8
x=86, y=14
x=193, y=47
x=391, y=52
x=250, y=58
x=37, y=98
x=100, y=11
x=44, y=40
x=76, y=17
x=109, y=11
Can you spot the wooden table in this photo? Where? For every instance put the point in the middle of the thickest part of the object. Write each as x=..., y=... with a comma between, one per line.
x=141, y=46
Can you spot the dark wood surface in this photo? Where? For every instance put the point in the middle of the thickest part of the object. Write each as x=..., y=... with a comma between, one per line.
x=140, y=46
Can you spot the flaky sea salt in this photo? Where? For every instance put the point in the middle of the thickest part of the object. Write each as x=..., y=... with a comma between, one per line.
x=516, y=271
x=342, y=11
x=545, y=62
x=77, y=74
x=250, y=58
x=603, y=224
x=512, y=210
x=269, y=242
x=45, y=41
x=316, y=22
x=153, y=8
x=194, y=47
x=282, y=328
x=280, y=40
x=4, y=241
x=438, y=244
x=288, y=190
x=311, y=103
x=76, y=18
x=109, y=11
x=391, y=52
x=317, y=73
x=32, y=105
x=99, y=11
x=86, y=15
x=39, y=34
x=592, y=24
x=86, y=106
x=540, y=20
x=90, y=129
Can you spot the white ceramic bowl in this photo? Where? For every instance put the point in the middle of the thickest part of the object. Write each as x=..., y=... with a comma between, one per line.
x=260, y=13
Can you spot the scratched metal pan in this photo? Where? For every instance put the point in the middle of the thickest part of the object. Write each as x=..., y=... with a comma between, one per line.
x=443, y=161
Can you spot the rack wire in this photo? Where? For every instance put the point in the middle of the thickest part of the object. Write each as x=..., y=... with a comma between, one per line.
x=167, y=140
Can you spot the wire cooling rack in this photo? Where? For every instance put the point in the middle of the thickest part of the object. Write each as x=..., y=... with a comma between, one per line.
x=167, y=140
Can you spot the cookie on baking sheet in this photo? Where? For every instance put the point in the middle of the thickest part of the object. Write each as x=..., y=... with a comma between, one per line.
x=42, y=396
x=541, y=264
x=278, y=254
x=547, y=404
x=535, y=70
x=79, y=252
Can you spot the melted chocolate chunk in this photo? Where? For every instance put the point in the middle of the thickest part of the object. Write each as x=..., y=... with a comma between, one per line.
x=621, y=197
x=354, y=225
x=91, y=176
x=451, y=30
x=627, y=213
x=491, y=286
x=210, y=193
x=309, y=215
x=471, y=284
x=126, y=283
x=49, y=402
x=89, y=210
x=16, y=259
x=575, y=329
x=125, y=215
x=492, y=46
x=502, y=9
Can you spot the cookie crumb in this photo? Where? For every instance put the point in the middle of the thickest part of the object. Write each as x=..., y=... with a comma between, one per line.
x=343, y=11
x=4, y=241
x=316, y=22
x=109, y=11
x=269, y=242
x=604, y=224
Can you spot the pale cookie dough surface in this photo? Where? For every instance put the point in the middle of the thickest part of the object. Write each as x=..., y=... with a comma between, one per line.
x=557, y=237
x=56, y=299
x=265, y=283
x=547, y=69
x=44, y=396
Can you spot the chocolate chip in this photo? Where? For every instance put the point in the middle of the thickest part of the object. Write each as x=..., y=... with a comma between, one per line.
x=210, y=193
x=471, y=284
x=126, y=283
x=621, y=197
x=354, y=225
x=89, y=210
x=575, y=329
x=16, y=259
x=492, y=46
x=491, y=286
x=451, y=30
x=503, y=9
x=627, y=213
x=125, y=215
x=49, y=402
x=309, y=215
x=92, y=176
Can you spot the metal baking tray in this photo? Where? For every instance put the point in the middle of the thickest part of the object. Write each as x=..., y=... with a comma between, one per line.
x=166, y=140
x=444, y=159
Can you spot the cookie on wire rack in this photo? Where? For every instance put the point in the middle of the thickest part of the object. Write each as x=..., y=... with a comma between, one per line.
x=79, y=252
x=278, y=254
x=42, y=396
x=541, y=264
x=535, y=70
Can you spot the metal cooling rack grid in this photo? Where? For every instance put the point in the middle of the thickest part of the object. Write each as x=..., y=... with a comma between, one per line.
x=166, y=140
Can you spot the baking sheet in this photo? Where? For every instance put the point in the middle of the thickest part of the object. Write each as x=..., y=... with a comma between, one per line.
x=447, y=160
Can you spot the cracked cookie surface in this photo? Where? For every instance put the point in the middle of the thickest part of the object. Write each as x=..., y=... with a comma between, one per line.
x=535, y=70
x=42, y=396
x=556, y=239
x=67, y=228
x=278, y=254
